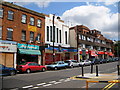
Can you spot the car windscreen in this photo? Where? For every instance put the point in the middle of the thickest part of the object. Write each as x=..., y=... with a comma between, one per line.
x=66, y=61
x=22, y=64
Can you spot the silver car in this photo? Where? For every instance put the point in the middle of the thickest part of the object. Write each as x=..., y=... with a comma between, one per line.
x=85, y=62
x=72, y=63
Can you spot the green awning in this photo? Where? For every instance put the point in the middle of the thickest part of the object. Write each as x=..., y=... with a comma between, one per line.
x=31, y=52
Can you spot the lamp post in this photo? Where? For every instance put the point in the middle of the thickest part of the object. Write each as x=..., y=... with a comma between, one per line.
x=77, y=43
x=53, y=37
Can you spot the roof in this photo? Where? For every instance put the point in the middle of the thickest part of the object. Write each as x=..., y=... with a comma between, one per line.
x=23, y=9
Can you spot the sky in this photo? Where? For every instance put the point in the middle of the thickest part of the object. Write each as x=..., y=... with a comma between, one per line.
x=101, y=15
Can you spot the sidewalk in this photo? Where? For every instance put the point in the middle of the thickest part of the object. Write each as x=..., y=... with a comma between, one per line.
x=89, y=76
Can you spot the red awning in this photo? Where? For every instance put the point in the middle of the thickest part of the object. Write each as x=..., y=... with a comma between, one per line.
x=93, y=53
x=111, y=54
x=106, y=53
x=100, y=52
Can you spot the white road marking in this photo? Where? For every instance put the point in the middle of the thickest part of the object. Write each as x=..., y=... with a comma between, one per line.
x=35, y=87
x=57, y=82
x=61, y=79
x=41, y=84
x=28, y=86
x=47, y=85
x=52, y=81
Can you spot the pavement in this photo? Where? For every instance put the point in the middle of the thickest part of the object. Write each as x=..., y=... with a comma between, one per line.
x=100, y=77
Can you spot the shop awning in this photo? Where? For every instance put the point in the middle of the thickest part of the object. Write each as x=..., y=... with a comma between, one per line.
x=31, y=52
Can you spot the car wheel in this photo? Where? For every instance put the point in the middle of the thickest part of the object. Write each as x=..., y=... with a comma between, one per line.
x=56, y=68
x=43, y=69
x=12, y=73
x=72, y=66
x=28, y=70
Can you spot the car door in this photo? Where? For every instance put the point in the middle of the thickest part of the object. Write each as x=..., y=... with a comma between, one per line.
x=37, y=67
x=31, y=66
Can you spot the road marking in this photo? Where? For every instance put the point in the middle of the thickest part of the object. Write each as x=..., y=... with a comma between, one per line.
x=47, y=85
x=61, y=79
x=41, y=84
x=111, y=86
x=107, y=86
x=28, y=86
x=57, y=82
x=52, y=81
x=35, y=87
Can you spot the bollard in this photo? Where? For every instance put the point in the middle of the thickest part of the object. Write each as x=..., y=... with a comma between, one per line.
x=96, y=70
x=118, y=69
x=82, y=71
x=91, y=68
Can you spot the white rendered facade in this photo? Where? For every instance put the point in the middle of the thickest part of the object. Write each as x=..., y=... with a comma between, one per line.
x=61, y=32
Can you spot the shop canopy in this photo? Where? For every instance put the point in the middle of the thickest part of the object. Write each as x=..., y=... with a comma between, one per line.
x=31, y=52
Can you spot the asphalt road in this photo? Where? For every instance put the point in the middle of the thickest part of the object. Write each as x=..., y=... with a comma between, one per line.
x=57, y=79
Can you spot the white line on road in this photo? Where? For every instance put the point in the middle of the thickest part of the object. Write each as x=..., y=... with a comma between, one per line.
x=41, y=84
x=47, y=85
x=61, y=79
x=52, y=81
x=57, y=82
x=28, y=86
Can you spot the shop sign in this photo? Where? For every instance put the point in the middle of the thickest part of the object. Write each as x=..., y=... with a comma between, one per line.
x=28, y=46
x=8, y=48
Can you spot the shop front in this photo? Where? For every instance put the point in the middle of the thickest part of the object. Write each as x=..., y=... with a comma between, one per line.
x=30, y=53
x=101, y=54
x=8, y=50
x=49, y=55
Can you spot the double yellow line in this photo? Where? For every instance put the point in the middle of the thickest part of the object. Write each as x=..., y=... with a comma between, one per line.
x=109, y=85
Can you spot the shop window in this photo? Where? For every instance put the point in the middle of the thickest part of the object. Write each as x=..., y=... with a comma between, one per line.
x=23, y=36
x=39, y=23
x=31, y=36
x=0, y=32
x=32, y=21
x=9, y=33
x=24, y=18
x=1, y=12
x=10, y=15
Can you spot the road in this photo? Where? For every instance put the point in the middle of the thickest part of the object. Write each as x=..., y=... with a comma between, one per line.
x=58, y=78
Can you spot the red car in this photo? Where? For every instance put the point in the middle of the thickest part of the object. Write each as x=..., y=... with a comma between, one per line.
x=30, y=66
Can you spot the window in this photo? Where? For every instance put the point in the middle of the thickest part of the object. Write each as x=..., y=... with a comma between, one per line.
x=39, y=23
x=32, y=21
x=9, y=33
x=65, y=37
x=51, y=33
x=60, y=35
x=23, y=35
x=57, y=35
x=31, y=36
x=54, y=34
x=24, y=18
x=10, y=15
x=0, y=32
x=47, y=33
x=38, y=38
x=1, y=12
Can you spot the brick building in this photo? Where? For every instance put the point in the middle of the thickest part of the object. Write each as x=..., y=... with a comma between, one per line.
x=90, y=43
x=26, y=28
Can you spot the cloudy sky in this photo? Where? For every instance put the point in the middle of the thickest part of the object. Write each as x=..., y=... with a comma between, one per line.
x=95, y=14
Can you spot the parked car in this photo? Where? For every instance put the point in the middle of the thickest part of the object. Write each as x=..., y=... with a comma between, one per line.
x=30, y=66
x=57, y=65
x=85, y=62
x=7, y=70
x=72, y=63
x=94, y=61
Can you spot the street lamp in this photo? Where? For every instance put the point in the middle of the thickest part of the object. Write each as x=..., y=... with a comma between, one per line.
x=53, y=37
